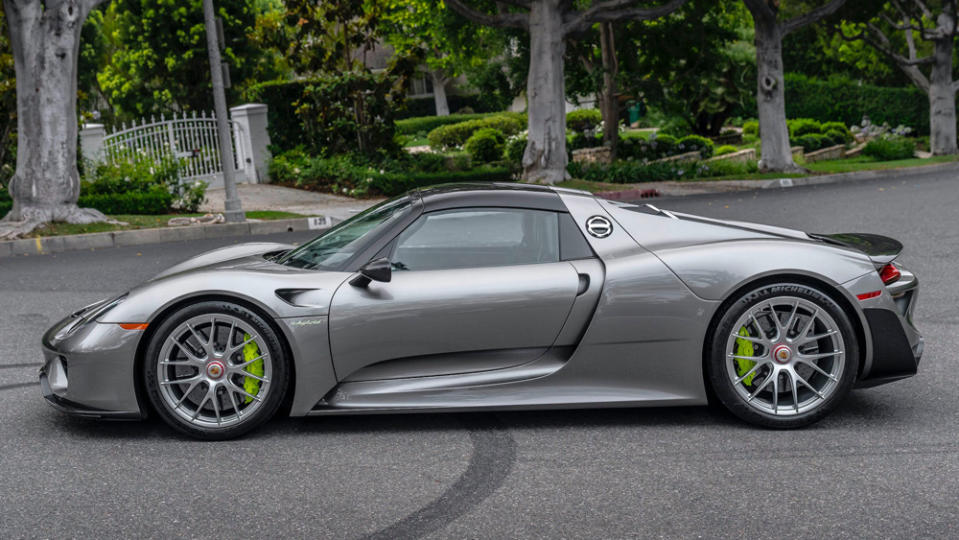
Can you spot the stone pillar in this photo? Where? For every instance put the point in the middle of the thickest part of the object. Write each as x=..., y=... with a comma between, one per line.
x=91, y=142
x=252, y=145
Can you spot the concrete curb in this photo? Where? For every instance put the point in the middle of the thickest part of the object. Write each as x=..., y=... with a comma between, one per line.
x=680, y=189
x=135, y=237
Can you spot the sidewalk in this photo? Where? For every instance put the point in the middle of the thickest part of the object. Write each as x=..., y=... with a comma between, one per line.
x=308, y=203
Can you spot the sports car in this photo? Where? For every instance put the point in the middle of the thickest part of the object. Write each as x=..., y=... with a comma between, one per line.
x=491, y=297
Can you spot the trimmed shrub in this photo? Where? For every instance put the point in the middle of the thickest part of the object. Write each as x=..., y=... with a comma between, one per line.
x=577, y=139
x=695, y=143
x=835, y=136
x=803, y=126
x=751, y=127
x=840, y=127
x=455, y=135
x=812, y=142
x=356, y=176
x=636, y=147
x=632, y=172
x=150, y=203
x=486, y=145
x=890, y=148
x=425, y=124
x=726, y=149
x=286, y=168
x=515, y=148
x=583, y=120
x=390, y=184
x=143, y=175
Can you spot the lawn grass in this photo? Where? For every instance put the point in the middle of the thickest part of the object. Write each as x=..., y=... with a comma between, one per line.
x=141, y=222
x=863, y=163
x=416, y=141
x=859, y=163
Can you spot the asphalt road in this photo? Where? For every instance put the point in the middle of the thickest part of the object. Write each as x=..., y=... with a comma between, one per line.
x=885, y=466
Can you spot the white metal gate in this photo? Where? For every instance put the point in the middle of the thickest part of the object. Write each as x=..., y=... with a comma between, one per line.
x=190, y=139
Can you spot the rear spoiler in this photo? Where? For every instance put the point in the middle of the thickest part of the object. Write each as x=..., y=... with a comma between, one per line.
x=882, y=250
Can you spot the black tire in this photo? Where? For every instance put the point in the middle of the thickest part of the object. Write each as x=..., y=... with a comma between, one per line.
x=723, y=386
x=264, y=412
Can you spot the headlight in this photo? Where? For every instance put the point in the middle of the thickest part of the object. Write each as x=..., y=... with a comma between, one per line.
x=96, y=309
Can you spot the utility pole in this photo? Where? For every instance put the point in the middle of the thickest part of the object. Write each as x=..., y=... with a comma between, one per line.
x=234, y=210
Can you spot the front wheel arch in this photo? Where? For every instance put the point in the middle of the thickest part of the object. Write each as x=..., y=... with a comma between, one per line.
x=146, y=408
x=826, y=288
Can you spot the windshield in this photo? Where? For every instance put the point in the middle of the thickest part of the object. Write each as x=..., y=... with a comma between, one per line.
x=335, y=246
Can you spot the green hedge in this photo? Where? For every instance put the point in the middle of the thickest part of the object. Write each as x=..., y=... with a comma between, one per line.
x=354, y=175
x=634, y=172
x=318, y=113
x=426, y=124
x=390, y=184
x=812, y=142
x=150, y=203
x=847, y=101
x=283, y=124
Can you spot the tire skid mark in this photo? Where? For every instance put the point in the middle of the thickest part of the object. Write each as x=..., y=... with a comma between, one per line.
x=494, y=452
x=26, y=365
x=18, y=385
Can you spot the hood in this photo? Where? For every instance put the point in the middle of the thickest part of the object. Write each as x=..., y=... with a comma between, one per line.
x=223, y=254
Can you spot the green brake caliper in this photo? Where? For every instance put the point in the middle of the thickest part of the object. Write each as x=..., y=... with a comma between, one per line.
x=744, y=348
x=250, y=351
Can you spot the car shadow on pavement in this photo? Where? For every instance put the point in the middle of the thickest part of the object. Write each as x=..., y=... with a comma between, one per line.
x=859, y=407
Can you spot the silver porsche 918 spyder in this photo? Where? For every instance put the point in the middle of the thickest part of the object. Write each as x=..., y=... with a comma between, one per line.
x=496, y=296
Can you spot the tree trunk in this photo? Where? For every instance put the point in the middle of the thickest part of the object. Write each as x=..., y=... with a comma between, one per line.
x=771, y=99
x=942, y=101
x=545, y=158
x=45, y=43
x=608, y=102
x=439, y=93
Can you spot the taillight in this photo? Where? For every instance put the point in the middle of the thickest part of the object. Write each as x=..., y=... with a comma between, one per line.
x=889, y=274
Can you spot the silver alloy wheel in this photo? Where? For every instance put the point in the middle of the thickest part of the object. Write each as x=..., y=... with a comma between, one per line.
x=797, y=356
x=204, y=368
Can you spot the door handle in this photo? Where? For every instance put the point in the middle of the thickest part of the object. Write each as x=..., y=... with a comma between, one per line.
x=583, y=284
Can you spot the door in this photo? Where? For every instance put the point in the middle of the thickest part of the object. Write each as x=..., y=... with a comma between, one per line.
x=471, y=289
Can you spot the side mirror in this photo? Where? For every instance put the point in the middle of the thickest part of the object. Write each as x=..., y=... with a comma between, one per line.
x=375, y=270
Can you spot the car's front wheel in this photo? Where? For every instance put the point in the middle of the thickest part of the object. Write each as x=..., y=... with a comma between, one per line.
x=215, y=370
x=783, y=356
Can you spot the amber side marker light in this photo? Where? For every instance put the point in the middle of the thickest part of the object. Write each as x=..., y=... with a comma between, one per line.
x=134, y=326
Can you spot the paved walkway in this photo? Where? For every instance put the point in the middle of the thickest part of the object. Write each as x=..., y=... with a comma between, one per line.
x=270, y=197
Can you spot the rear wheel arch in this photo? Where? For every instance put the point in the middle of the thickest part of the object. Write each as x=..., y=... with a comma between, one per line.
x=157, y=320
x=830, y=290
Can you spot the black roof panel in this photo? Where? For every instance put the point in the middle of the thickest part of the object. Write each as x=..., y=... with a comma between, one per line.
x=459, y=195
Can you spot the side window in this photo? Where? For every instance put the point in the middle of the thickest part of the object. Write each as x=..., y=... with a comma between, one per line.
x=478, y=237
x=572, y=245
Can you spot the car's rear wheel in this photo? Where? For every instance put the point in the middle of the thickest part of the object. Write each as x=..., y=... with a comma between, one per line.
x=215, y=370
x=783, y=356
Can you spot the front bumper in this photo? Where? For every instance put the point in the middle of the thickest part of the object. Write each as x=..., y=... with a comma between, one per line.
x=89, y=369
